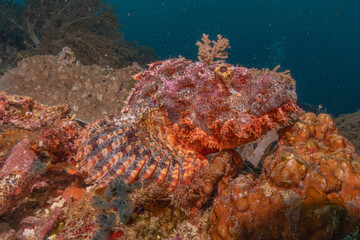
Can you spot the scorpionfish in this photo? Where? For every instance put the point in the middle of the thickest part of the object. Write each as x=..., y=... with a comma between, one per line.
x=178, y=112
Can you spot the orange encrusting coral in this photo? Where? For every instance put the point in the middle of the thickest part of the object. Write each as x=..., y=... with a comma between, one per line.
x=73, y=194
x=309, y=186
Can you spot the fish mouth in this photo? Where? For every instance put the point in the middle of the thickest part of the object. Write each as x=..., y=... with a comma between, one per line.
x=274, y=101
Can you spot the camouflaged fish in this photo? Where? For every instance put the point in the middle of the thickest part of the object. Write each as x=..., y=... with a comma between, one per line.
x=179, y=112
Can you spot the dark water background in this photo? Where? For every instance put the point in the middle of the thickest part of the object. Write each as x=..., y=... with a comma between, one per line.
x=318, y=40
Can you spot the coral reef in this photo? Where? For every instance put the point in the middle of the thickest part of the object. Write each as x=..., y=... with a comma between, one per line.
x=349, y=126
x=183, y=213
x=179, y=112
x=155, y=213
x=18, y=175
x=190, y=198
x=81, y=220
x=42, y=195
x=256, y=151
x=12, y=46
x=90, y=28
x=117, y=196
x=10, y=56
x=57, y=80
x=36, y=142
x=106, y=224
x=309, y=189
x=8, y=35
x=170, y=164
x=211, y=50
x=92, y=216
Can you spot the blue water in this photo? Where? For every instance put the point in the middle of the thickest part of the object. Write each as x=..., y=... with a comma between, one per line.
x=318, y=40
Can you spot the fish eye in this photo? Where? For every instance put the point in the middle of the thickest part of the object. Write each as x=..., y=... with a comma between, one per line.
x=223, y=69
x=224, y=72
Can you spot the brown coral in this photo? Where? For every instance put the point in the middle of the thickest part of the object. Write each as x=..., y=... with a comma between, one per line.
x=89, y=27
x=318, y=157
x=349, y=126
x=309, y=189
x=92, y=91
x=211, y=50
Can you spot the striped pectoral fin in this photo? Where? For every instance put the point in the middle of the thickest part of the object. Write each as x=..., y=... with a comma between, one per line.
x=125, y=157
x=130, y=153
x=96, y=137
x=189, y=165
x=95, y=128
x=177, y=166
x=109, y=147
x=163, y=167
x=175, y=175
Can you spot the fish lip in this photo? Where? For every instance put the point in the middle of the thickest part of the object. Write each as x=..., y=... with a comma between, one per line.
x=288, y=97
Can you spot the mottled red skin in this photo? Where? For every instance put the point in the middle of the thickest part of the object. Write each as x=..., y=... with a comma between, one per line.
x=179, y=112
x=207, y=109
